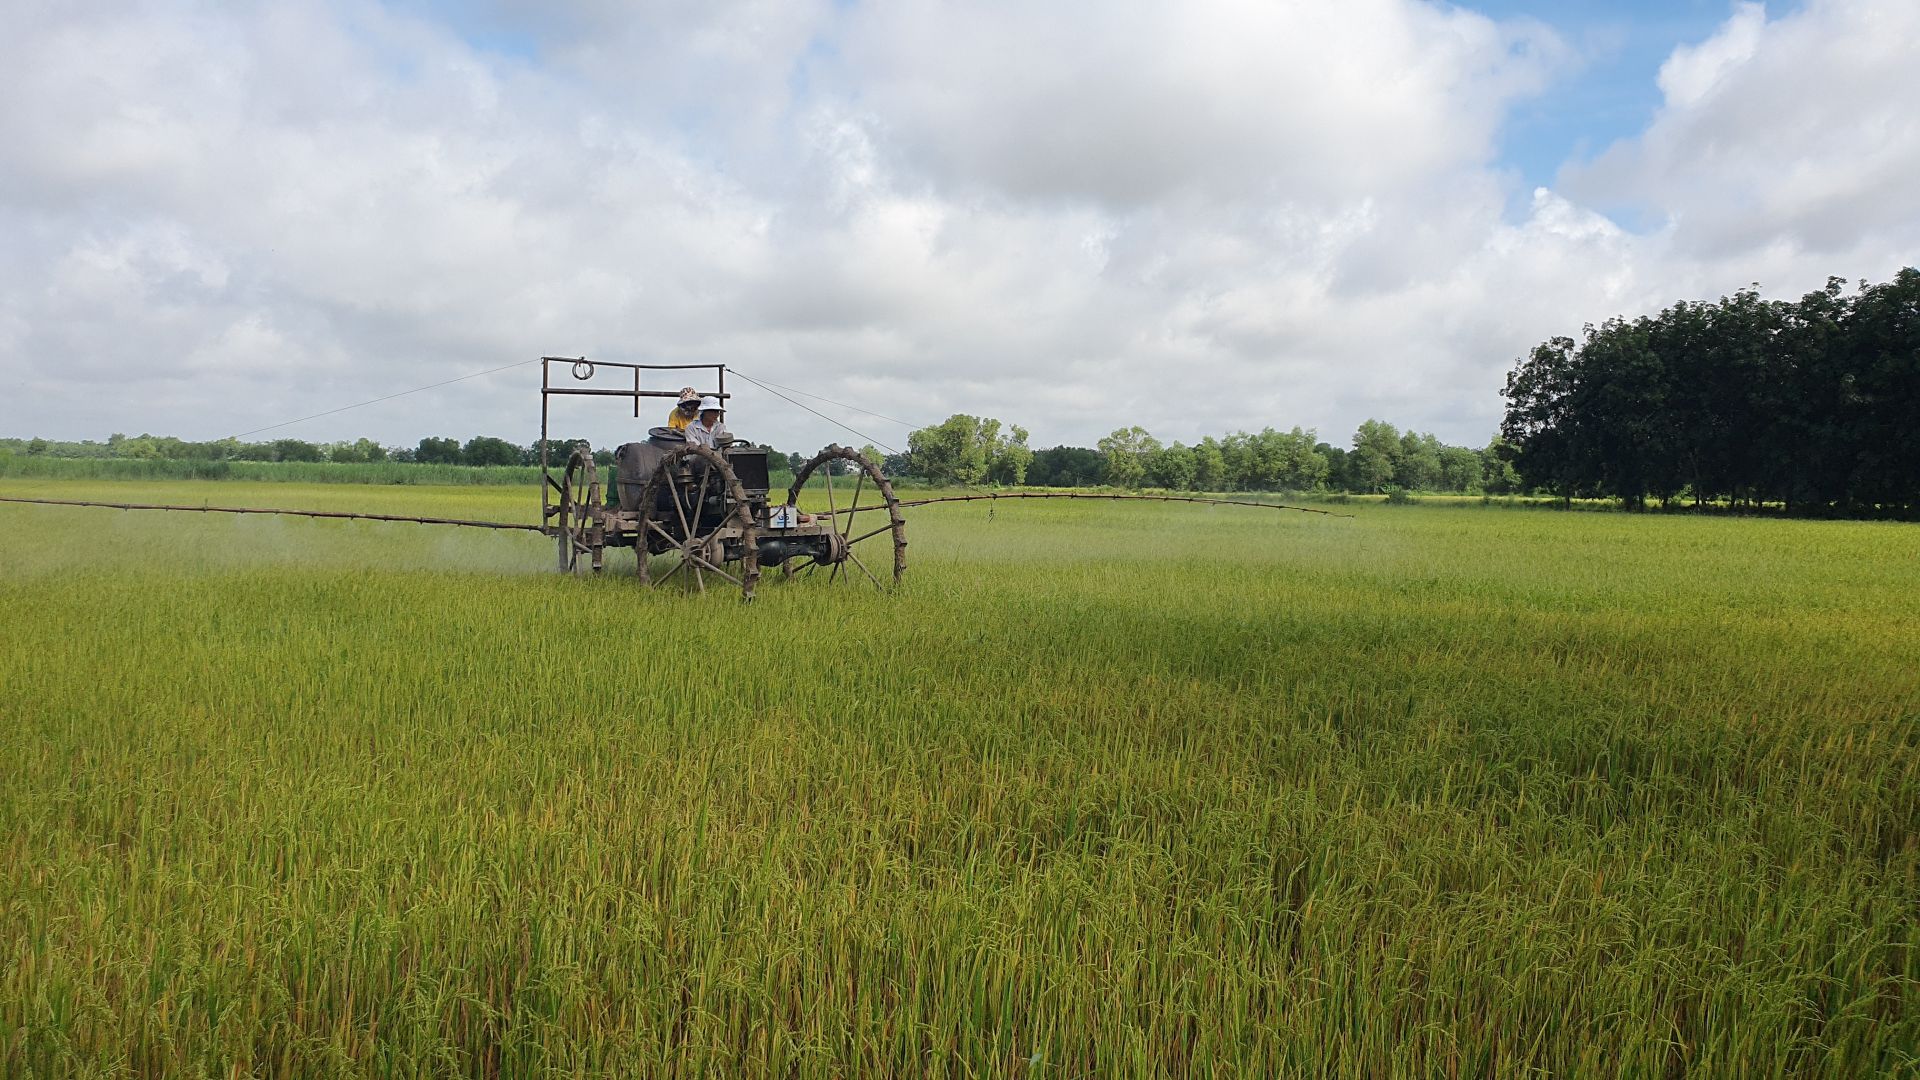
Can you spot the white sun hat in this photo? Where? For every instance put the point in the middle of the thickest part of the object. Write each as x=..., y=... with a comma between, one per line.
x=712, y=403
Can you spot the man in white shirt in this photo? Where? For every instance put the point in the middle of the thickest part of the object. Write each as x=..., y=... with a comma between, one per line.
x=708, y=430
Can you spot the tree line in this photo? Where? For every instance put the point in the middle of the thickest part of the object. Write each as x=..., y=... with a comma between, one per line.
x=1811, y=405
x=975, y=450
x=478, y=450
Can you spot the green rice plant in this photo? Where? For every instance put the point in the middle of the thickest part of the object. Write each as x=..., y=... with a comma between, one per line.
x=1104, y=789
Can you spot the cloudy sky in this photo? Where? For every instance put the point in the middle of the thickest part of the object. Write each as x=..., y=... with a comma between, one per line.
x=1196, y=216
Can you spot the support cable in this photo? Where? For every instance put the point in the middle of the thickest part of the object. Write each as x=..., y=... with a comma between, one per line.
x=388, y=397
x=344, y=514
x=817, y=412
x=996, y=496
x=765, y=384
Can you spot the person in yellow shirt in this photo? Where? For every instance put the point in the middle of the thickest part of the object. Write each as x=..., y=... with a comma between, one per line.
x=686, y=411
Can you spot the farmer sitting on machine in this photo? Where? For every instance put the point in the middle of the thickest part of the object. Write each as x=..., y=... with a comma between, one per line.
x=708, y=430
x=686, y=411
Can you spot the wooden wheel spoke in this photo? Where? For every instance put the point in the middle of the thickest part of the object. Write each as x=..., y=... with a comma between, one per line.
x=578, y=526
x=841, y=520
x=677, y=567
x=700, y=562
x=700, y=500
x=696, y=542
x=864, y=570
x=673, y=493
x=854, y=506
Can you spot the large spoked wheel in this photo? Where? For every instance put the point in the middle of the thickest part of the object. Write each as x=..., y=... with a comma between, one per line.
x=694, y=515
x=579, y=531
x=870, y=511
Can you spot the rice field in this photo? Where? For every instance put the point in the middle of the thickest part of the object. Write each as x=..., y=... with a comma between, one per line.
x=1105, y=790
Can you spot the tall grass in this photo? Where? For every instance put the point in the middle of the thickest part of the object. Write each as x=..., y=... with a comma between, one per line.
x=1106, y=790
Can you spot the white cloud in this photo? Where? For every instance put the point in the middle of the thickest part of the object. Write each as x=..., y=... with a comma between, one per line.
x=1210, y=98
x=1193, y=216
x=1798, y=133
x=1694, y=71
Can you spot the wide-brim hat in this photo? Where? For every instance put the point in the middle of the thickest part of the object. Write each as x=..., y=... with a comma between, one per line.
x=688, y=393
x=711, y=404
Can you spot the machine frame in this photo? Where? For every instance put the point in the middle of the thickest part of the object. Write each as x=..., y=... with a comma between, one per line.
x=704, y=511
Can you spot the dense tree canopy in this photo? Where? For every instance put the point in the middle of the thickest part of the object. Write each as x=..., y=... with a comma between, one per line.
x=1811, y=404
x=432, y=451
x=1267, y=460
x=1067, y=466
x=1127, y=452
x=969, y=450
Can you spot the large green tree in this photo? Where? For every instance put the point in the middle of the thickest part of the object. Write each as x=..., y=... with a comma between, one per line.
x=1460, y=469
x=1497, y=476
x=1172, y=467
x=487, y=450
x=1067, y=466
x=1009, y=457
x=1209, y=465
x=1376, y=453
x=1127, y=451
x=292, y=450
x=1417, y=466
x=436, y=451
x=1283, y=461
x=1541, y=424
x=1809, y=404
x=966, y=449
